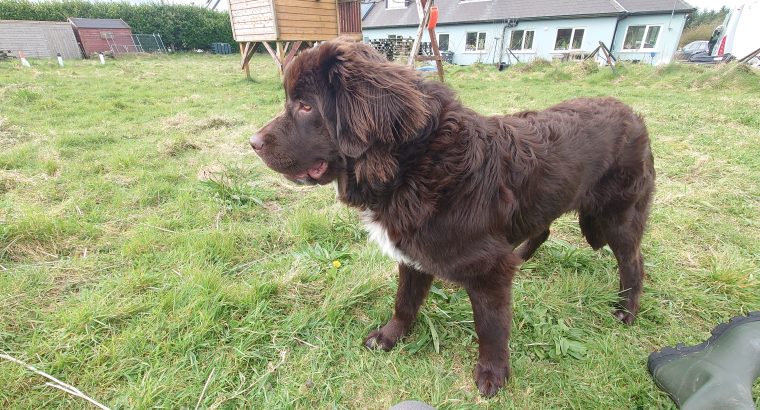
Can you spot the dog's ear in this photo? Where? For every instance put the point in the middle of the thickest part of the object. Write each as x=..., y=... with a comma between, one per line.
x=370, y=99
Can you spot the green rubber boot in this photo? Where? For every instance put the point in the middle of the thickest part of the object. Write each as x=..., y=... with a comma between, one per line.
x=716, y=374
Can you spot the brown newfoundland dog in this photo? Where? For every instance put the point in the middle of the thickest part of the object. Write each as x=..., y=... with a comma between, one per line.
x=451, y=194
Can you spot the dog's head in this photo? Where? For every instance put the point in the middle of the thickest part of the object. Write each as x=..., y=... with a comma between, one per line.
x=343, y=100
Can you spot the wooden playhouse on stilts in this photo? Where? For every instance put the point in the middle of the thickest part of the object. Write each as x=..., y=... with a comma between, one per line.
x=284, y=27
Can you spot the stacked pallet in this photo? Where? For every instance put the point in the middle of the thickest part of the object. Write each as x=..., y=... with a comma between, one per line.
x=398, y=47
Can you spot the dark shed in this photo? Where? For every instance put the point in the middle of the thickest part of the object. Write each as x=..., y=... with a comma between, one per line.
x=103, y=35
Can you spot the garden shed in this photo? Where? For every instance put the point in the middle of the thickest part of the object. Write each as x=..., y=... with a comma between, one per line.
x=103, y=35
x=38, y=38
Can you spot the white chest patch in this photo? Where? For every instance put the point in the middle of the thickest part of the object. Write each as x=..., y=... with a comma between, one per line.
x=379, y=235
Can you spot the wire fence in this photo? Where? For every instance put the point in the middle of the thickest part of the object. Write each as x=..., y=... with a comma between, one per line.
x=136, y=43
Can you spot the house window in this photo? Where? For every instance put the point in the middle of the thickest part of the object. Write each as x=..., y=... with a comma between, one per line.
x=443, y=42
x=475, y=41
x=521, y=40
x=641, y=37
x=569, y=39
x=395, y=4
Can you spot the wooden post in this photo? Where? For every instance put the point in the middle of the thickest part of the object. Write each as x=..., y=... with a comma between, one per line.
x=246, y=52
x=750, y=56
x=436, y=52
x=281, y=56
x=593, y=53
x=291, y=54
x=22, y=58
x=274, y=55
x=608, y=54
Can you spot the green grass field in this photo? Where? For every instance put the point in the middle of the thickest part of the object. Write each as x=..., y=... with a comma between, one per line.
x=146, y=252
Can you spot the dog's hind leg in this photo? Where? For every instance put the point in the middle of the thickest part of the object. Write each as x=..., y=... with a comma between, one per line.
x=529, y=247
x=413, y=287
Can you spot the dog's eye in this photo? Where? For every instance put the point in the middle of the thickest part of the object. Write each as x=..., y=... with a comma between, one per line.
x=303, y=107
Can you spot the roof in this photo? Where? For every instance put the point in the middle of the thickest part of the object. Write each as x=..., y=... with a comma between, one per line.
x=98, y=23
x=458, y=11
x=650, y=6
x=365, y=8
x=46, y=23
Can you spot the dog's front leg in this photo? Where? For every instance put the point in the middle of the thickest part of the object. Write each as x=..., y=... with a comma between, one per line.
x=490, y=296
x=413, y=287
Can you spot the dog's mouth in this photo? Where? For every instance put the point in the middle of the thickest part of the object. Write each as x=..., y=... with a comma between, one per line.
x=311, y=175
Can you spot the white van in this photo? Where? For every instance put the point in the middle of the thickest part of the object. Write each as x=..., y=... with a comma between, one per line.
x=741, y=32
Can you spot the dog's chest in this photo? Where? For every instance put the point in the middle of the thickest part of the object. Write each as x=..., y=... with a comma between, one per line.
x=379, y=235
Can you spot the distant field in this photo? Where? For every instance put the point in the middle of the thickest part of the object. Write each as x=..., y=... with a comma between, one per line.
x=145, y=252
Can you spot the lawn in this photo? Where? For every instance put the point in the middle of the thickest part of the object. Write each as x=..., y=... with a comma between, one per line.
x=150, y=259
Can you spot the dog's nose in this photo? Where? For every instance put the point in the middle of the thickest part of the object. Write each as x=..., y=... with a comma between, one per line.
x=257, y=141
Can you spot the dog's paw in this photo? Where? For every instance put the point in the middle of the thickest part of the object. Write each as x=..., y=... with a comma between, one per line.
x=377, y=339
x=624, y=316
x=490, y=378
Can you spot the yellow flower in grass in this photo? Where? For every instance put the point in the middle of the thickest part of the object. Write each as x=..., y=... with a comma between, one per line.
x=336, y=264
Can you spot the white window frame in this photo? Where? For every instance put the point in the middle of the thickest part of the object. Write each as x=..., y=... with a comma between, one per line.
x=522, y=43
x=397, y=4
x=439, y=41
x=572, y=37
x=643, y=39
x=477, y=37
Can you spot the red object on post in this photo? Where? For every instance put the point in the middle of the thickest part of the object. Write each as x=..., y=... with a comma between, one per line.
x=433, y=17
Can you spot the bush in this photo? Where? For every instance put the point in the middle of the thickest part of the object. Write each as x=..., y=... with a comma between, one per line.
x=701, y=24
x=700, y=17
x=701, y=32
x=181, y=27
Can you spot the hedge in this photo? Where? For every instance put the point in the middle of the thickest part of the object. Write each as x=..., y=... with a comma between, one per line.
x=182, y=27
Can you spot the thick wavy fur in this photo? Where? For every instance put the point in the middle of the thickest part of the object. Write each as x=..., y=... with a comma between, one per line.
x=457, y=195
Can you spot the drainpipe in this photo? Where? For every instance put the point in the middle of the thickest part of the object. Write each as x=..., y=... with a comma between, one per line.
x=614, y=33
x=503, y=38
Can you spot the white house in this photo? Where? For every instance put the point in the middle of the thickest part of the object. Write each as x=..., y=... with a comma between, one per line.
x=647, y=31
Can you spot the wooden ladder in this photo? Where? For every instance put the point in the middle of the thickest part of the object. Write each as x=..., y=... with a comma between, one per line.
x=423, y=11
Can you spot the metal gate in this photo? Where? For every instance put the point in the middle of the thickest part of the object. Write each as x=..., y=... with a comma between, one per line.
x=136, y=43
